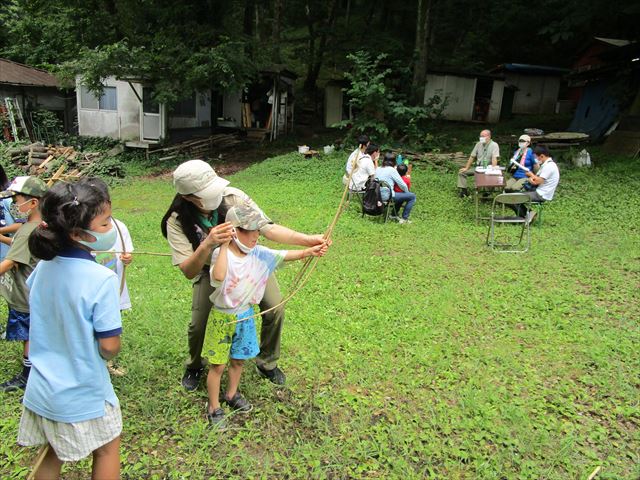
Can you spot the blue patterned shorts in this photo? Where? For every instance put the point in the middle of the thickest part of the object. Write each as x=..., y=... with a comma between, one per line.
x=225, y=340
x=18, y=325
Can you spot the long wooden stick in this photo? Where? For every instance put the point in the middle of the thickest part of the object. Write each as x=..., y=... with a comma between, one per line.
x=39, y=459
x=310, y=264
x=135, y=252
x=595, y=472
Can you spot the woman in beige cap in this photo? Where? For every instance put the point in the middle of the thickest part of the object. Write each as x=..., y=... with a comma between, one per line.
x=194, y=225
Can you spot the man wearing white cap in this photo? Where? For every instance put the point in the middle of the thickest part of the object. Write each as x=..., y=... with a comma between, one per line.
x=194, y=225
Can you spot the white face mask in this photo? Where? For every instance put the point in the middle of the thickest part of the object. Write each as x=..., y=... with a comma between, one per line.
x=241, y=246
x=483, y=139
x=211, y=203
x=522, y=144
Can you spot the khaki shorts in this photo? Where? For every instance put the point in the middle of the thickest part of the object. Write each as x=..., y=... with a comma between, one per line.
x=70, y=441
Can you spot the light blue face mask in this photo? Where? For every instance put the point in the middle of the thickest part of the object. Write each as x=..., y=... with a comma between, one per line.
x=104, y=241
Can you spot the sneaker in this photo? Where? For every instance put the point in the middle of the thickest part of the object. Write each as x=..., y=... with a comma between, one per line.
x=191, y=379
x=463, y=192
x=238, y=403
x=16, y=383
x=274, y=375
x=115, y=370
x=216, y=419
x=404, y=220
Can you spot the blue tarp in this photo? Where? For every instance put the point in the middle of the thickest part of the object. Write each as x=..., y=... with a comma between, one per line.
x=596, y=110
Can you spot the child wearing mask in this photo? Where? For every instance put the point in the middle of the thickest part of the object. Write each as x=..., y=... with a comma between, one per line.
x=239, y=272
x=16, y=267
x=69, y=403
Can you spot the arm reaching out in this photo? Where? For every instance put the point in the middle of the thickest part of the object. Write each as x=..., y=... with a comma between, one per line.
x=315, y=251
x=6, y=265
x=280, y=234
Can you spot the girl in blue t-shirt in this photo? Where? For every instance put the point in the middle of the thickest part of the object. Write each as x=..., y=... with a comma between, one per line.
x=70, y=406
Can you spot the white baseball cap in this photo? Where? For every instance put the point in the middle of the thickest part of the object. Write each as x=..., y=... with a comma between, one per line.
x=197, y=177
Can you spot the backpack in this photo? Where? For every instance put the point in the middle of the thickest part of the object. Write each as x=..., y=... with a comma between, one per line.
x=372, y=198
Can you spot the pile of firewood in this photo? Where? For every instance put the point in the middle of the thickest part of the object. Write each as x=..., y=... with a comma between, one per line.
x=198, y=147
x=438, y=160
x=63, y=163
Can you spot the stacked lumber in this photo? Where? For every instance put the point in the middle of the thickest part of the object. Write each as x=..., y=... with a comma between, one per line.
x=440, y=160
x=257, y=134
x=198, y=147
x=66, y=163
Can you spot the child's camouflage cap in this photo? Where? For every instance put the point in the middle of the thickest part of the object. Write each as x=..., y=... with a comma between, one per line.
x=245, y=217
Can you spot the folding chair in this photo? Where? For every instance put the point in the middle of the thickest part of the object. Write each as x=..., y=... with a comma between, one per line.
x=358, y=194
x=388, y=206
x=514, y=200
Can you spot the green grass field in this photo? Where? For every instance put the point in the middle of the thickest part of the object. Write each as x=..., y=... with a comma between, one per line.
x=413, y=351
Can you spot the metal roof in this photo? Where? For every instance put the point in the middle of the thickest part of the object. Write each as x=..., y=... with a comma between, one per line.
x=13, y=73
x=530, y=69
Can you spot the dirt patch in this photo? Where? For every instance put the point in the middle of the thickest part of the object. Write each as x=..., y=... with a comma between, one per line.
x=229, y=161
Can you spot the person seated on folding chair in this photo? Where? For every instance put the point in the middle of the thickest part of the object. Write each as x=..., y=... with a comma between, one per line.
x=356, y=155
x=387, y=173
x=544, y=182
x=486, y=152
x=524, y=157
x=364, y=168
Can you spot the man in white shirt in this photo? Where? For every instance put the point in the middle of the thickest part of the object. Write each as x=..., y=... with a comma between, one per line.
x=365, y=167
x=546, y=180
x=363, y=143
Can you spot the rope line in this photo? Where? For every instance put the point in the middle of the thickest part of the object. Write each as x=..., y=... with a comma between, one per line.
x=310, y=263
x=306, y=269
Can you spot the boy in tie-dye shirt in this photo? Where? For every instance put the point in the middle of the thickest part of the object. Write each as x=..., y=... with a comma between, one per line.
x=239, y=272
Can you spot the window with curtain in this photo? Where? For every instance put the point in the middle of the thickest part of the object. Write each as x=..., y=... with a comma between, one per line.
x=107, y=101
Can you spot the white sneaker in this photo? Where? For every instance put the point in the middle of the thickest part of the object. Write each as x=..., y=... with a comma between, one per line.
x=402, y=221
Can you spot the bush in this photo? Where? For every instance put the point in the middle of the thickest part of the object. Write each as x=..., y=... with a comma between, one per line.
x=377, y=106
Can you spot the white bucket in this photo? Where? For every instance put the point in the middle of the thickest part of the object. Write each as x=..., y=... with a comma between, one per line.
x=303, y=149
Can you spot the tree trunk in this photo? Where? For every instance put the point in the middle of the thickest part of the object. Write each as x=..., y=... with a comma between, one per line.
x=249, y=11
x=309, y=82
x=421, y=51
x=316, y=57
x=277, y=20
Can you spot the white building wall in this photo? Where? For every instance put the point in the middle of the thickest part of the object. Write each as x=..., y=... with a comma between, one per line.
x=121, y=124
x=202, y=118
x=232, y=107
x=496, y=101
x=460, y=92
x=332, y=105
x=535, y=94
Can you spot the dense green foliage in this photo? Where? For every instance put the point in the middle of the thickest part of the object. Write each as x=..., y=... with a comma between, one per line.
x=376, y=105
x=191, y=44
x=413, y=352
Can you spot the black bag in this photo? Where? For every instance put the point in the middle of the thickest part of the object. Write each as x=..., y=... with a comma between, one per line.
x=372, y=199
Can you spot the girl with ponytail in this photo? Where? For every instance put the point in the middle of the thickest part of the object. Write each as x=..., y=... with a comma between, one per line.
x=69, y=402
